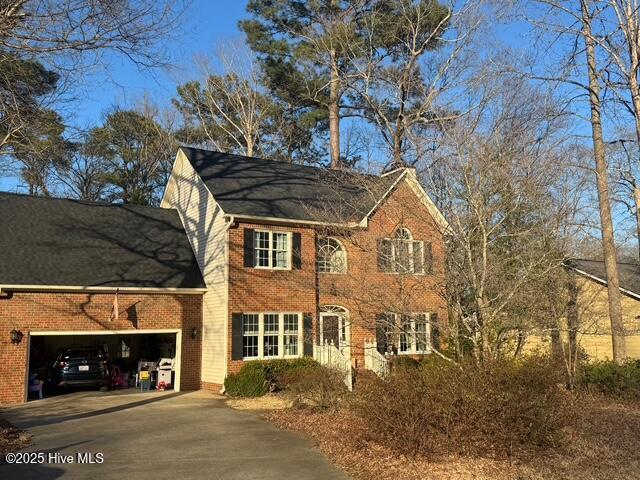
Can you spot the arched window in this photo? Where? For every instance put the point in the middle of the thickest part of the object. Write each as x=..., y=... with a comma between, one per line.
x=332, y=257
x=403, y=254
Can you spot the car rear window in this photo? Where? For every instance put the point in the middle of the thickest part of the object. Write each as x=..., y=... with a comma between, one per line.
x=83, y=352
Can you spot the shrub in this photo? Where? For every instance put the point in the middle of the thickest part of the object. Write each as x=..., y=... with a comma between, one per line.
x=610, y=378
x=441, y=408
x=320, y=388
x=258, y=377
x=401, y=362
x=249, y=382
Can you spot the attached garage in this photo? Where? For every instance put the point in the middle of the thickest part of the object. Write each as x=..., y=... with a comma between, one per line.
x=78, y=274
x=124, y=349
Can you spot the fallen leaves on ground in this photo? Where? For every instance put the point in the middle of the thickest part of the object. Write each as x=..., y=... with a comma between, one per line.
x=12, y=439
x=603, y=444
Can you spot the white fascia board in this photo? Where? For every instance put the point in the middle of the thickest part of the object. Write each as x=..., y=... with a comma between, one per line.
x=603, y=282
x=98, y=289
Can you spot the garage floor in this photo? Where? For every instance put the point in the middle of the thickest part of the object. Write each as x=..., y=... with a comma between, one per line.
x=161, y=435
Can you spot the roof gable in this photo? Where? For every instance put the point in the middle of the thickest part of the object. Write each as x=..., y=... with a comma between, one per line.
x=279, y=191
x=629, y=274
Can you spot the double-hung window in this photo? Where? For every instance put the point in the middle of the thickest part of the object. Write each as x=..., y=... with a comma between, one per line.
x=272, y=249
x=413, y=333
x=403, y=254
x=271, y=335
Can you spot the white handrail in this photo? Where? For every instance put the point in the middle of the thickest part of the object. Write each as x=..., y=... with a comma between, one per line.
x=374, y=360
x=330, y=356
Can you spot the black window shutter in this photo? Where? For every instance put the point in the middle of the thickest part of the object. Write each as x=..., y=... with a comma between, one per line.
x=384, y=255
x=428, y=258
x=381, y=332
x=248, y=248
x=296, y=245
x=307, y=334
x=418, y=256
x=435, y=330
x=236, y=336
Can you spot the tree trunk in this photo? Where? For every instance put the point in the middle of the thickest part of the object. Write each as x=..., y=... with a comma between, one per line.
x=606, y=223
x=334, y=118
x=636, y=200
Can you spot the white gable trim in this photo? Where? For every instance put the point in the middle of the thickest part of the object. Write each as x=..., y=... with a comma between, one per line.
x=602, y=282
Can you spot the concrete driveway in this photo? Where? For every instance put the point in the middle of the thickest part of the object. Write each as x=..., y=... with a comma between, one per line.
x=159, y=435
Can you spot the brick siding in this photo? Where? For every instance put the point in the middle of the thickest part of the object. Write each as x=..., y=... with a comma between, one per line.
x=80, y=311
x=363, y=290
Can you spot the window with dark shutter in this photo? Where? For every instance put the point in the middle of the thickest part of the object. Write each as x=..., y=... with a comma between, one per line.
x=248, y=248
x=428, y=258
x=382, y=329
x=296, y=245
x=236, y=336
x=307, y=332
x=435, y=330
x=418, y=256
x=385, y=252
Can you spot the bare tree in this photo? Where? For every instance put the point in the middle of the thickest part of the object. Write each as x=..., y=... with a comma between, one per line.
x=576, y=19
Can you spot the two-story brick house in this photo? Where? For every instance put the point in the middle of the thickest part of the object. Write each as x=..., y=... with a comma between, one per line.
x=294, y=256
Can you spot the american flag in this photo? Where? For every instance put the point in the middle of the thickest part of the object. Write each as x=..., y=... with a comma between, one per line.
x=114, y=310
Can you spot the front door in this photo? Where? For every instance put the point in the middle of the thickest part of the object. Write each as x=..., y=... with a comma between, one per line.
x=330, y=329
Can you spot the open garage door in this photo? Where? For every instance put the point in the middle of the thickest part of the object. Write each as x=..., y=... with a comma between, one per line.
x=123, y=351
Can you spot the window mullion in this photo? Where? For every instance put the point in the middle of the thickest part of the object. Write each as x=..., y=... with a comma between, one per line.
x=260, y=335
x=281, y=334
x=414, y=338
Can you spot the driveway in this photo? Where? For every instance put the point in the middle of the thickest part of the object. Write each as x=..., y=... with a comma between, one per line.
x=160, y=435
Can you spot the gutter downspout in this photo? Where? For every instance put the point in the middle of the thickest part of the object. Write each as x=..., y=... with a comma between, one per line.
x=231, y=222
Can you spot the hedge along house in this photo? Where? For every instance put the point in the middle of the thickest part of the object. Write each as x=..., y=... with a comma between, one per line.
x=295, y=257
x=61, y=262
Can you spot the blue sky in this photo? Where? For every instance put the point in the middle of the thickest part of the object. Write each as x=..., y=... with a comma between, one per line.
x=205, y=23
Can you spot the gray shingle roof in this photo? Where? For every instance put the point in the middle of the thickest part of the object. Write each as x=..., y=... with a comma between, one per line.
x=629, y=273
x=61, y=242
x=248, y=186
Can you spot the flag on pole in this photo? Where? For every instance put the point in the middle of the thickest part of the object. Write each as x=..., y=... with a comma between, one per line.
x=114, y=310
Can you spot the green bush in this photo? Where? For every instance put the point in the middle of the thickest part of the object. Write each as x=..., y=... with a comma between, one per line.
x=443, y=408
x=249, y=382
x=258, y=377
x=610, y=378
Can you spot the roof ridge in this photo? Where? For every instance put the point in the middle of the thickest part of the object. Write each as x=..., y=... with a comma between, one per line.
x=83, y=202
x=283, y=162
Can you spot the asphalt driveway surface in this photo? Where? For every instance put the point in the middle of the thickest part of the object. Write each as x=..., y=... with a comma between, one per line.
x=158, y=436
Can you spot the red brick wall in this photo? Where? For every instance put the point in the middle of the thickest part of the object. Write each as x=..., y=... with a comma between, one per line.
x=363, y=291
x=261, y=290
x=366, y=292
x=80, y=311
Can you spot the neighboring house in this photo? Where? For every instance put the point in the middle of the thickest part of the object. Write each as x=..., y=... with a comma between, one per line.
x=61, y=263
x=593, y=324
x=295, y=256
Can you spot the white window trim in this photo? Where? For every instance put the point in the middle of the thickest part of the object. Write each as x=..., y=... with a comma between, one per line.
x=412, y=332
x=346, y=261
x=271, y=250
x=261, y=355
x=393, y=260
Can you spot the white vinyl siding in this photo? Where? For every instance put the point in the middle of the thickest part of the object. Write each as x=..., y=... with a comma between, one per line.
x=206, y=228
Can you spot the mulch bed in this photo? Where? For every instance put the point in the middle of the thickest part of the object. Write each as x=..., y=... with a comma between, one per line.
x=12, y=439
x=603, y=444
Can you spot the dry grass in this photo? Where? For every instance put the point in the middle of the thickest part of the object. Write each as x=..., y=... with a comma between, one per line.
x=266, y=402
x=603, y=444
x=12, y=439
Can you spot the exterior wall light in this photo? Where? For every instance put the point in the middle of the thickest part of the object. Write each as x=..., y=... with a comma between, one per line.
x=16, y=336
x=194, y=333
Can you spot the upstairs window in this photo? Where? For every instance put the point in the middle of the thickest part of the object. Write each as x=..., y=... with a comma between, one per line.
x=402, y=254
x=332, y=257
x=272, y=249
